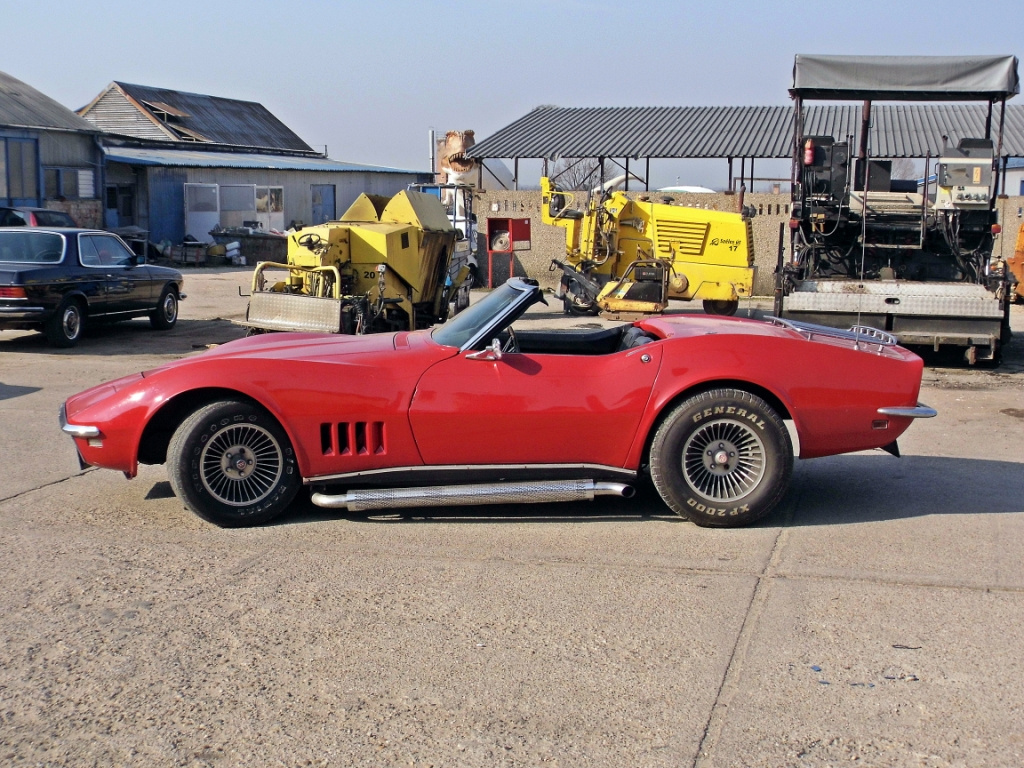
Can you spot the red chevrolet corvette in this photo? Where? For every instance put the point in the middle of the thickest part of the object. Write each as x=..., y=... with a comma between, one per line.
x=474, y=412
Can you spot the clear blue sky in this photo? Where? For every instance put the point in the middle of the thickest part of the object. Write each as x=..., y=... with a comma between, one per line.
x=368, y=80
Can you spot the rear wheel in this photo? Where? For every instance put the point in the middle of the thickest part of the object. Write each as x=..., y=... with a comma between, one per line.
x=722, y=458
x=165, y=315
x=231, y=463
x=64, y=329
x=721, y=307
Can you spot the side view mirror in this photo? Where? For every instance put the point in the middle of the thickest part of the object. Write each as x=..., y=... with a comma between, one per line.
x=491, y=352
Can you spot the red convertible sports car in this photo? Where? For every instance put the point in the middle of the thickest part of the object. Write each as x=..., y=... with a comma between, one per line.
x=473, y=412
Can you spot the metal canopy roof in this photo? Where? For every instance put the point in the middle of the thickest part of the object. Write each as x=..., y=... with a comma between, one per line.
x=196, y=159
x=905, y=78
x=898, y=130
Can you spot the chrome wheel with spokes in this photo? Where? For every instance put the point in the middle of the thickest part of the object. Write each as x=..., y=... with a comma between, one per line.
x=722, y=458
x=231, y=463
x=724, y=461
x=241, y=464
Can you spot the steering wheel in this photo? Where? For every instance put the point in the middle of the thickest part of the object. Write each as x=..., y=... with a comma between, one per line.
x=309, y=240
x=511, y=343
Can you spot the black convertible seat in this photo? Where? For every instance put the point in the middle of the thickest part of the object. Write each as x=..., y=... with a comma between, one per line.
x=602, y=341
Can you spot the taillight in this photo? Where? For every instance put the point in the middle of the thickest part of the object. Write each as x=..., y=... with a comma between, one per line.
x=996, y=229
x=12, y=292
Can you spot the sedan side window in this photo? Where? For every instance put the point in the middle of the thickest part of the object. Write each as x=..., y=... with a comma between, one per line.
x=87, y=252
x=107, y=251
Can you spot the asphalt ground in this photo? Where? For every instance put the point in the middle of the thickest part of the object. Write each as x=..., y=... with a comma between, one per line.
x=874, y=619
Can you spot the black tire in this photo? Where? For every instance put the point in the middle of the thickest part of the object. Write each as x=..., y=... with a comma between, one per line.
x=575, y=302
x=165, y=316
x=65, y=327
x=581, y=308
x=722, y=459
x=232, y=464
x=721, y=307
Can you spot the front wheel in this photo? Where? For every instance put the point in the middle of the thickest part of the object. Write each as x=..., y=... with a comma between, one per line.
x=721, y=307
x=723, y=458
x=165, y=315
x=232, y=464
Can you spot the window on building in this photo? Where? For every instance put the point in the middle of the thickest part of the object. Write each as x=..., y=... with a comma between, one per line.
x=269, y=199
x=237, y=197
x=20, y=177
x=61, y=183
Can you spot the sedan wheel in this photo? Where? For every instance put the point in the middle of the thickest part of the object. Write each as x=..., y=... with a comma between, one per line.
x=232, y=464
x=722, y=458
x=165, y=315
x=64, y=329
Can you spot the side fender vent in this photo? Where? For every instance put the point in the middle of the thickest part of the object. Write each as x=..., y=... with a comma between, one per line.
x=353, y=438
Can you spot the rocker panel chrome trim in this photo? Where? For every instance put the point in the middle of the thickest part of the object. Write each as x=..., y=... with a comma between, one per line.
x=471, y=495
x=365, y=474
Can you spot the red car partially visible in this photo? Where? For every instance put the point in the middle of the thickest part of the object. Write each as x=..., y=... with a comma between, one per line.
x=35, y=217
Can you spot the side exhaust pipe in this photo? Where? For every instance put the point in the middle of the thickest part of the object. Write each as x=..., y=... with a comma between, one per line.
x=541, y=492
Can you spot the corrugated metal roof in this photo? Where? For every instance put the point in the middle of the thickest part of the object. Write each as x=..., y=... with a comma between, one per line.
x=197, y=159
x=210, y=118
x=898, y=130
x=22, y=106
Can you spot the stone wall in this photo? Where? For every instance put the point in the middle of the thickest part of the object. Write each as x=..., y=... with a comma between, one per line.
x=86, y=213
x=548, y=242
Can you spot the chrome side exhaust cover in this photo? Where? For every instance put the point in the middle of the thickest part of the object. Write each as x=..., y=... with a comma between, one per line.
x=540, y=492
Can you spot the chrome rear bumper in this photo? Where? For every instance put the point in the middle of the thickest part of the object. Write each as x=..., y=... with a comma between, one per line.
x=916, y=412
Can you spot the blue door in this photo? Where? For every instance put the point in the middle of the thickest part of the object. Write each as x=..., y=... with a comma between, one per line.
x=323, y=203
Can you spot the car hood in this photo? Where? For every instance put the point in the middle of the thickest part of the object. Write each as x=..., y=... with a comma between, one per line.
x=305, y=346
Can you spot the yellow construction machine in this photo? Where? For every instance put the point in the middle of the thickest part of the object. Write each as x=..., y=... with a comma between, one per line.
x=385, y=265
x=632, y=256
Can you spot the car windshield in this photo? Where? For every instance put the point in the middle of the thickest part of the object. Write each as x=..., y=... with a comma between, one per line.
x=22, y=247
x=491, y=314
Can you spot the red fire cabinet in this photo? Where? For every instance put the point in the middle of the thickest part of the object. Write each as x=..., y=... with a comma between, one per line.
x=505, y=236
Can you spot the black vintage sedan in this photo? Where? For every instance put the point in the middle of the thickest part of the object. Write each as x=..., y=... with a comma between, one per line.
x=57, y=279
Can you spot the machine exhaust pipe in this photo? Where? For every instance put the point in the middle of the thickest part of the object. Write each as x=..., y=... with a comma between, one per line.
x=540, y=492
